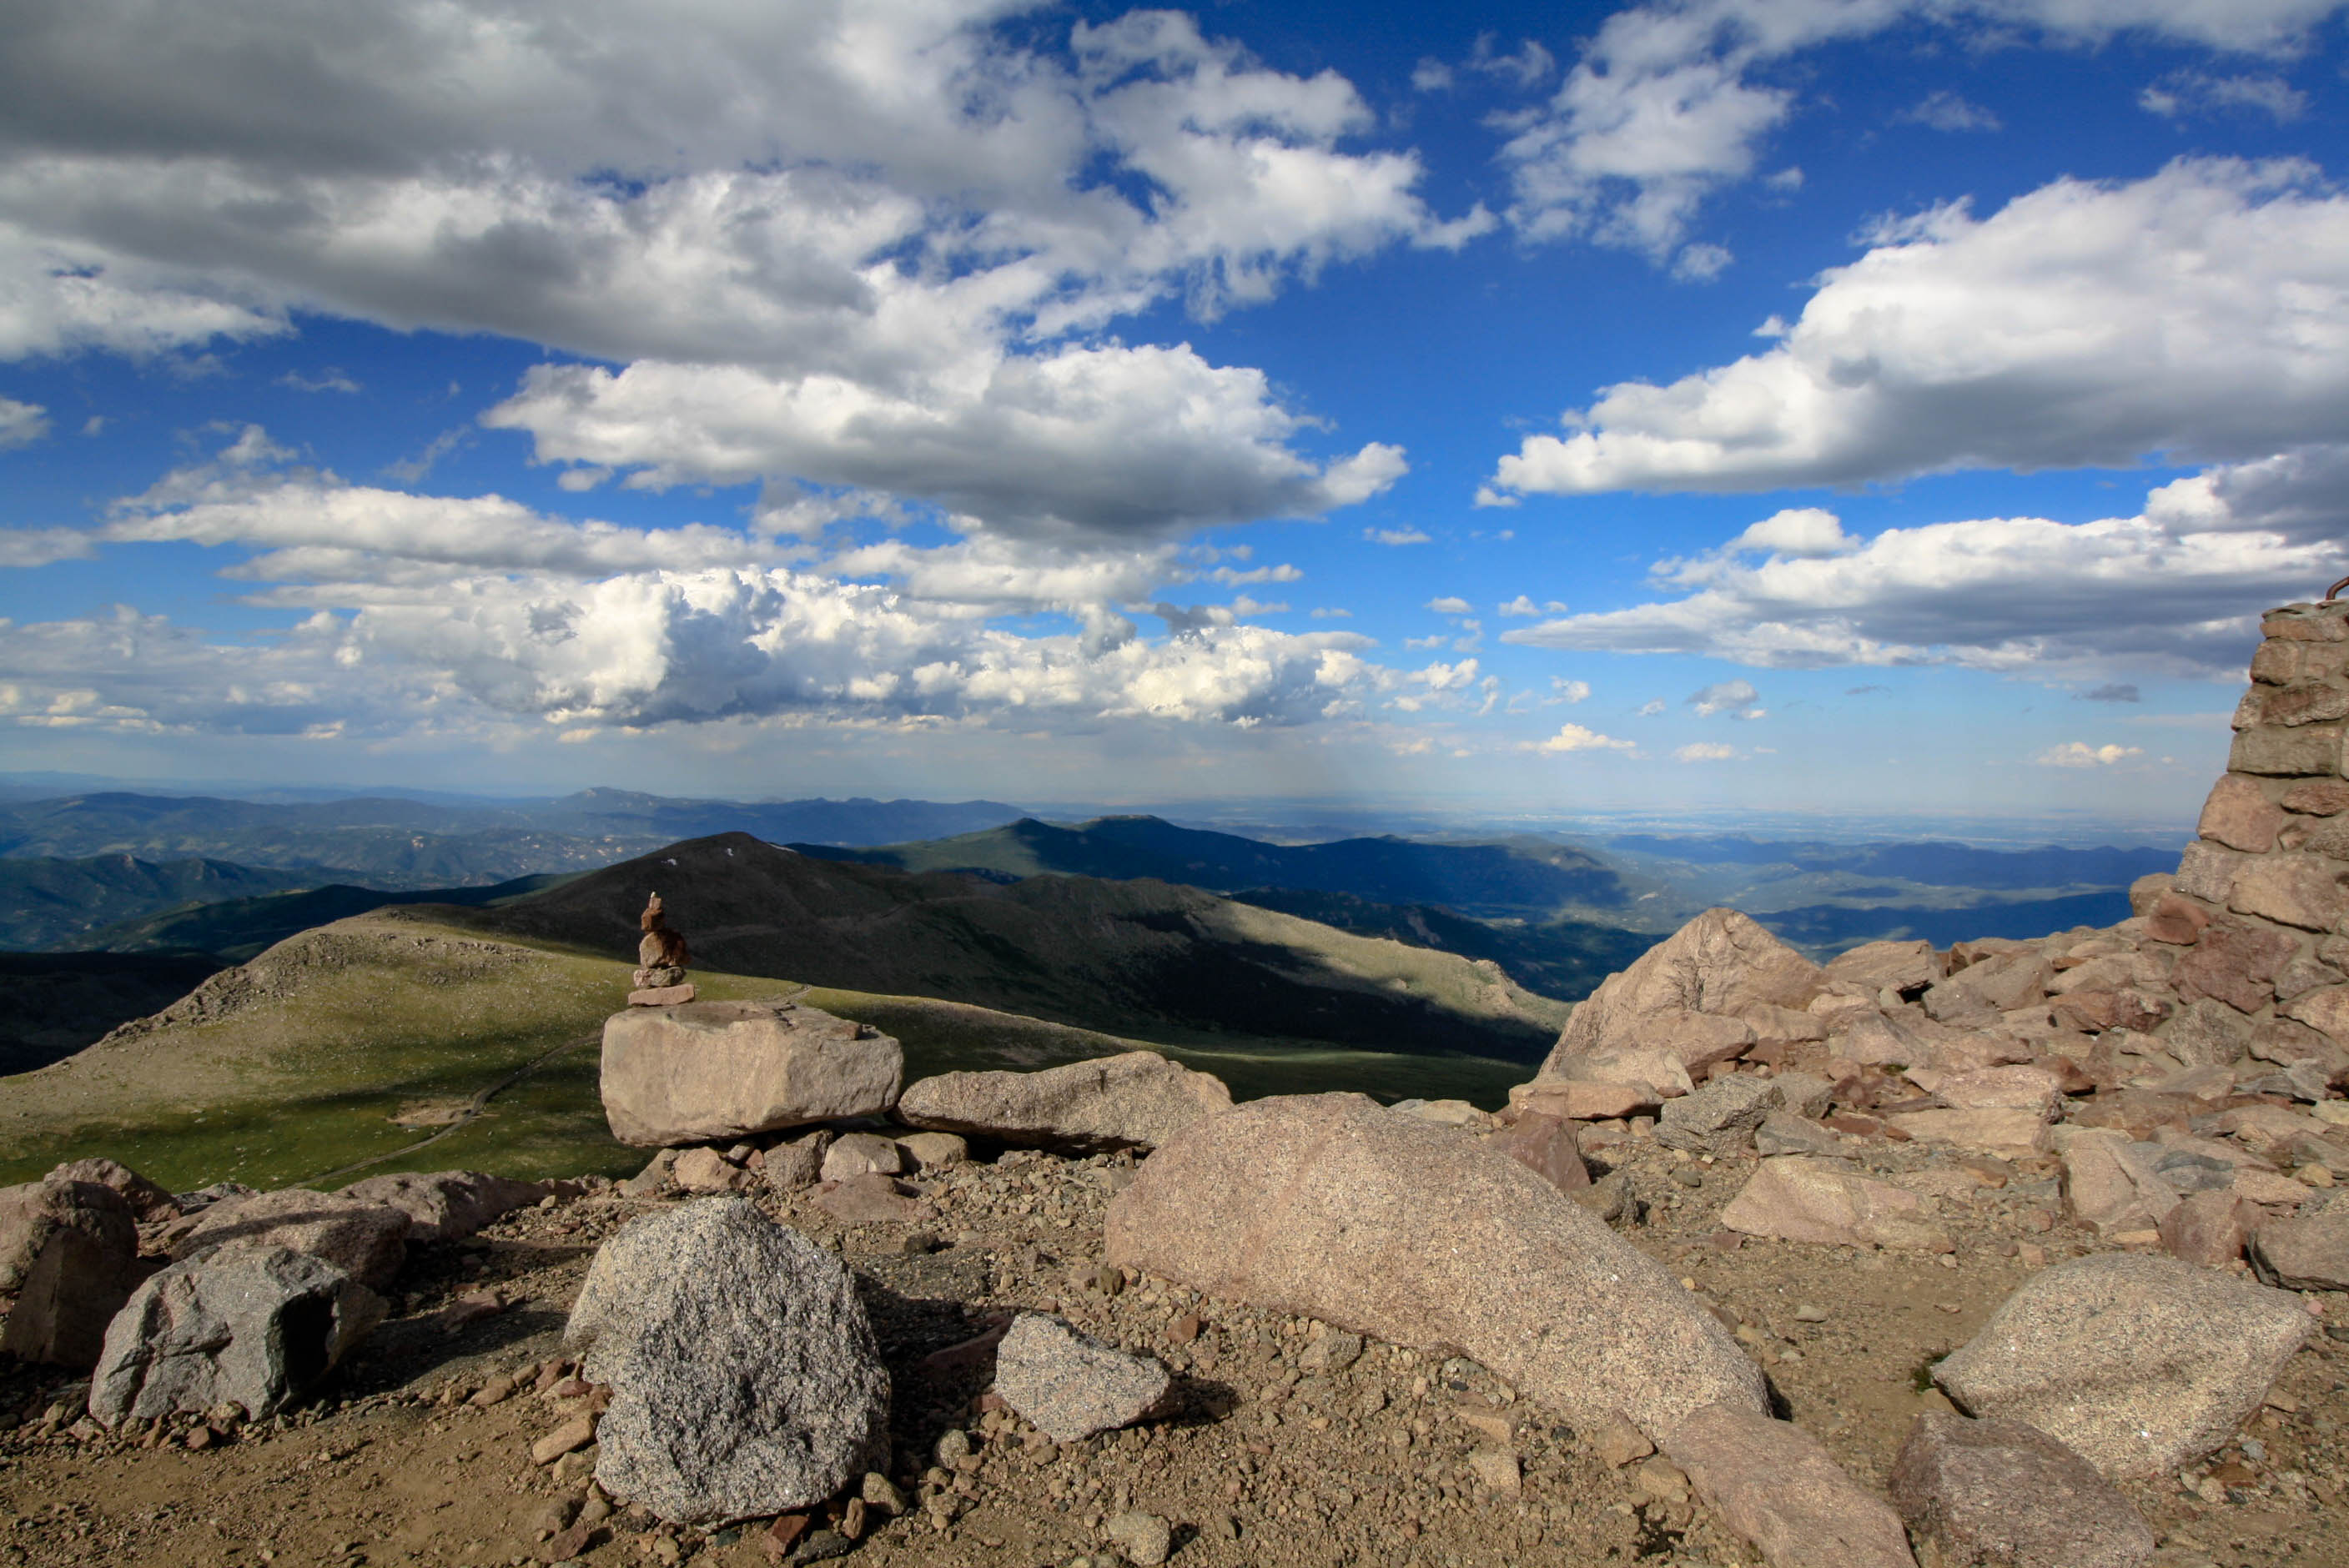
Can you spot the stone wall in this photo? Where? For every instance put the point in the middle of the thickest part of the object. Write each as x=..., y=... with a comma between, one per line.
x=2256, y=913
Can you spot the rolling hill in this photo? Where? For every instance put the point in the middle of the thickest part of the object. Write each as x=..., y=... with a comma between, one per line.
x=1142, y=957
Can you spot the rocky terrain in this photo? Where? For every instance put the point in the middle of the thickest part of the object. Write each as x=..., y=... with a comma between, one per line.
x=2029, y=1253
x=1291, y=1444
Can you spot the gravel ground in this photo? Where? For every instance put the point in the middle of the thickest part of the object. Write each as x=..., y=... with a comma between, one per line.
x=1290, y=1446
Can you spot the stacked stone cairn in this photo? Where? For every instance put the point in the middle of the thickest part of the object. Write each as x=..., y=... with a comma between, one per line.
x=661, y=958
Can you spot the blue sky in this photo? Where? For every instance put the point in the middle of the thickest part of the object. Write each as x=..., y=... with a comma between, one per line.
x=1791, y=406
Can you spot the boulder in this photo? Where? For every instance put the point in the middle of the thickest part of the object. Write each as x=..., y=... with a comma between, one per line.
x=1546, y=1146
x=2206, y=1033
x=1720, y=1118
x=2019, y=1087
x=1786, y=1134
x=712, y=1071
x=2010, y=1134
x=69, y=1254
x=147, y=1201
x=1693, y=1039
x=1144, y=1540
x=2138, y=1363
x=1651, y=1073
x=800, y=1163
x=853, y=1154
x=367, y=1241
x=1804, y=1094
x=1777, y=1485
x=2108, y=1185
x=1905, y=969
x=447, y=1205
x=1826, y=1203
x=1582, y=1099
x=1718, y=964
x=1072, y=1386
x=1874, y=1039
x=707, y=1171
x=2210, y=1227
x=1330, y=1206
x=244, y=1321
x=745, y=1380
x=2001, y=983
x=1135, y=1100
x=935, y=1150
x=2309, y=1254
x=2004, y=1494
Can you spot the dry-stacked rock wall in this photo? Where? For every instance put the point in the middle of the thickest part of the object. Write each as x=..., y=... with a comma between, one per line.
x=2256, y=911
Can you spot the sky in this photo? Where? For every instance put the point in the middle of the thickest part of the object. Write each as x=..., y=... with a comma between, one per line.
x=1831, y=407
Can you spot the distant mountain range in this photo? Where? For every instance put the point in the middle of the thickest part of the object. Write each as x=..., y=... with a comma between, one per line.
x=1932, y=864
x=394, y=842
x=1515, y=878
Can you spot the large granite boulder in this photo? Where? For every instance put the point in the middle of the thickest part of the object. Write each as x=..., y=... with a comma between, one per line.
x=708, y=1071
x=745, y=1377
x=1379, y=1223
x=69, y=1256
x=1138, y=1099
x=367, y=1241
x=2006, y=1493
x=446, y=1205
x=2139, y=1364
x=244, y=1321
x=1687, y=994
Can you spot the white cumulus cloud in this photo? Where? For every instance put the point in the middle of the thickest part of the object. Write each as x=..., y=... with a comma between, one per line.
x=1575, y=738
x=2200, y=313
x=2174, y=589
x=870, y=246
x=2080, y=754
x=1737, y=699
x=1674, y=99
x=1705, y=751
x=21, y=424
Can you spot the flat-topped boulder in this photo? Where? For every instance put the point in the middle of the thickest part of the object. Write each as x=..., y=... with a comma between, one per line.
x=711, y=1070
x=1136, y=1100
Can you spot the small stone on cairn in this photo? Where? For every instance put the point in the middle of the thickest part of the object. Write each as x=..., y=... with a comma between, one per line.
x=661, y=981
